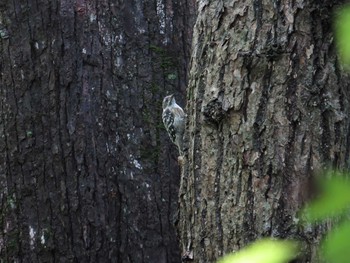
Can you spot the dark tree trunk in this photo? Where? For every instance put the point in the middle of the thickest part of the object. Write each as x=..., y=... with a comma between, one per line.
x=268, y=106
x=87, y=172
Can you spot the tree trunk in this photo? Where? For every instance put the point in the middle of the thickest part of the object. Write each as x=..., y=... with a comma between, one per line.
x=268, y=107
x=87, y=171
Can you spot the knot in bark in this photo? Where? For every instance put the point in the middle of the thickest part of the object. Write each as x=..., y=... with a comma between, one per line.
x=213, y=111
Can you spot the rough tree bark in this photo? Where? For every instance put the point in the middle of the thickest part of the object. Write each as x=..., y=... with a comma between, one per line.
x=87, y=173
x=268, y=105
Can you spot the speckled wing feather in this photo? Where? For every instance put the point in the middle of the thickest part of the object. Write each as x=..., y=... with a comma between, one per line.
x=174, y=122
x=168, y=120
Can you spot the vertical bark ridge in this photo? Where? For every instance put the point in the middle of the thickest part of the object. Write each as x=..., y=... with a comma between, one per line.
x=217, y=190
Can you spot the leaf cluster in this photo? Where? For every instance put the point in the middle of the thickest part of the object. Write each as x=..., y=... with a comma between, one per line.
x=333, y=203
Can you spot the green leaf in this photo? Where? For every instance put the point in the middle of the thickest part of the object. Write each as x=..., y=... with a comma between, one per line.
x=342, y=34
x=334, y=201
x=264, y=251
x=336, y=246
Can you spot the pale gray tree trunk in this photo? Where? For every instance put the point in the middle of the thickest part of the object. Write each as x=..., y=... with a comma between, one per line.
x=268, y=107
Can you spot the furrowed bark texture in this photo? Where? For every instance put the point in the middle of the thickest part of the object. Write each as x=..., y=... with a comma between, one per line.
x=268, y=106
x=87, y=171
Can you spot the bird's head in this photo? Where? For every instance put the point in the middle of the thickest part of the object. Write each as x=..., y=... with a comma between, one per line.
x=168, y=101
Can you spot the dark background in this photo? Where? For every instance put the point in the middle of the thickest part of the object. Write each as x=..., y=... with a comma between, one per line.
x=87, y=172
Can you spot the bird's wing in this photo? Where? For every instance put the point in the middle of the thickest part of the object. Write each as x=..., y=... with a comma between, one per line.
x=179, y=112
